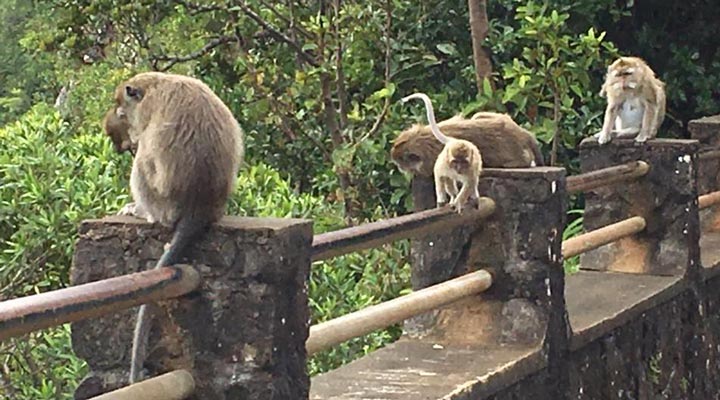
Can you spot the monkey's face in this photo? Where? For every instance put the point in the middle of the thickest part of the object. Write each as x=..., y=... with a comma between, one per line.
x=625, y=74
x=128, y=98
x=460, y=159
x=415, y=153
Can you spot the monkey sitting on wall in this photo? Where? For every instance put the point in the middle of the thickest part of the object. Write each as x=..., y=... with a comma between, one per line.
x=189, y=149
x=502, y=143
x=458, y=162
x=635, y=101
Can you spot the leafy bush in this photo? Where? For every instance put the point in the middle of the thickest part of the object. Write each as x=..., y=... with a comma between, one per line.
x=53, y=178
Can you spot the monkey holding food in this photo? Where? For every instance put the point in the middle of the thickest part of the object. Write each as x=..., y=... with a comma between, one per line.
x=189, y=149
x=635, y=101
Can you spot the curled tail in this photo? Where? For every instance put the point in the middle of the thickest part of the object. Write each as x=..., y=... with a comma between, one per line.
x=185, y=231
x=430, y=115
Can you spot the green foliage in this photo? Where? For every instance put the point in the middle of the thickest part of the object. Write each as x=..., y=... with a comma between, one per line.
x=573, y=228
x=550, y=70
x=55, y=176
x=57, y=168
x=41, y=366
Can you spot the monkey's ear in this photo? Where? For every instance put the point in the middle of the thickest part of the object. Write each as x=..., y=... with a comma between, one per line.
x=133, y=93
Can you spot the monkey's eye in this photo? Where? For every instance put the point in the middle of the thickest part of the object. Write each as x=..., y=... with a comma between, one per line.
x=133, y=93
x=413, y=157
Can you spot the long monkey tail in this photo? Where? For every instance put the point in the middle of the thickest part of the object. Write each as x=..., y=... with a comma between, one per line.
x=185, y=231
x=430, y=115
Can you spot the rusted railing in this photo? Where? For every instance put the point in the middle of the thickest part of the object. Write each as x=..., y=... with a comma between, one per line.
x=333, y=332
x=31, y=313
x=175, y=385
x=374, y=234
x=607, y=176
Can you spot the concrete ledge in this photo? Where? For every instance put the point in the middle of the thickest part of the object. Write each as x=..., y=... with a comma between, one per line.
x=599, y=302
x=419, y=369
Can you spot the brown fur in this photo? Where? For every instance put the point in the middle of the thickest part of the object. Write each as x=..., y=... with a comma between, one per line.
x=189, y=148
x=502, y=143
x=116, y=128
x=636, y=100
x=459, y=161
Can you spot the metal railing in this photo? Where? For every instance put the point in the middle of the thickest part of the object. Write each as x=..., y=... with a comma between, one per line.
x=24, y=315
x=356, y=324
x=374, y=234
x=27, y=314
x=175, y=385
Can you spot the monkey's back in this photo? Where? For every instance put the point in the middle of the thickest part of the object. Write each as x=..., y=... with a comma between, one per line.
x=192, y=141
x=501, y=142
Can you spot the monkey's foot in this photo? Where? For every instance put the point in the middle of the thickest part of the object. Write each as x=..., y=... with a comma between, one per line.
x=641, y=139
x=128, y=209
x=134, y=210
x=458, y=208
x=604, y=138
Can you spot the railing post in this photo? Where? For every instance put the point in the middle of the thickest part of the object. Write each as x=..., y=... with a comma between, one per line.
x=520, y=245
x=707, y=131
x=670, y=245
x=666, y=197
x=241, y=334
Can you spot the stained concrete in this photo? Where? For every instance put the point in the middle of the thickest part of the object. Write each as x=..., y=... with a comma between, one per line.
x=599, y=302
x=420, y=370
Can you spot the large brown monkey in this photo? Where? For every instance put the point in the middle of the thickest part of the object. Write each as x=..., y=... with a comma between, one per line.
x=502, y=143
x=189, y=148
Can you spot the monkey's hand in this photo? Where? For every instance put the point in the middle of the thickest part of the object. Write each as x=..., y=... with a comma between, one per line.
x=604, y=137
x=135, y=210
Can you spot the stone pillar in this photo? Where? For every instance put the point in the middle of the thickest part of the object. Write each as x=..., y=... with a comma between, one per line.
x=707, y=131
x=666, y=197
x=520, y=244
x=241, y=334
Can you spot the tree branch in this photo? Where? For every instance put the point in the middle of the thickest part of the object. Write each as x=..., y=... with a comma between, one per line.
x=172, y=60
x=339, y=72
x=388, y=55
x=304, y=56
x=289, y=21
x=199, y=9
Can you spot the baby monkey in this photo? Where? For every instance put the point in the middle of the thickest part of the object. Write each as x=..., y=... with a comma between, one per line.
x=117, y=129
x=636, y=101
x=458, y=162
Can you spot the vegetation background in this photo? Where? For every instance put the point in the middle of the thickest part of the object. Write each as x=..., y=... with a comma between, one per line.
x=315, y=85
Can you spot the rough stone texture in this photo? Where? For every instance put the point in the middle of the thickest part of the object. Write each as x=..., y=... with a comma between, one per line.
x=665, y=197
x=519, y=245
x=242, y=334
x=707, y=131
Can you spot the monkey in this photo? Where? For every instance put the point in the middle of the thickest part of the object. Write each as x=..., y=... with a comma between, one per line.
x=116, y=128
x=189, y=149
x=502, y=143
x=459, y=161
x=635, y=101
